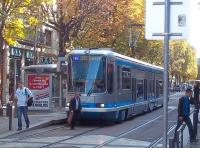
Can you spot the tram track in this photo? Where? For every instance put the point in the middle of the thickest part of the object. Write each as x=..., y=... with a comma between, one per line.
x=106, y=142
x=69, y=138
x=29, y=135
x=128, y=132
x=159, y=139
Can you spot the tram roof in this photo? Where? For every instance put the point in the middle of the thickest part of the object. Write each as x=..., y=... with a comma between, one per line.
x=43, y=66
x=110, y=52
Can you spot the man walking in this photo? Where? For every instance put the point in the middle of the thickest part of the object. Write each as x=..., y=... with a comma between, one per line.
x=21, y=96
x=184, y=114
x=196, y=102
x=75, y=109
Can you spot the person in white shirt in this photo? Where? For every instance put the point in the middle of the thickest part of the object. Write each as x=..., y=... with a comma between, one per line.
x=22, y=95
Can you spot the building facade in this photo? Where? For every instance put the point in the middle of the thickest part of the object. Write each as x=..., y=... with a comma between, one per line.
x=40, y=50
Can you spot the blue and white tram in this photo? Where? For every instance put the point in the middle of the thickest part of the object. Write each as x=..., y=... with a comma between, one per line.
x=113, y=86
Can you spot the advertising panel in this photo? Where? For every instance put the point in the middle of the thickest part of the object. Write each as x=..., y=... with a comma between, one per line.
x=40, y=87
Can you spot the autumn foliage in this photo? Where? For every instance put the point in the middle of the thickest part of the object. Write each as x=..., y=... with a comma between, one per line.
x=96, y=23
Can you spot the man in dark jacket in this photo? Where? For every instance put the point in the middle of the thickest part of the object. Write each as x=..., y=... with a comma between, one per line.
x=75, y=107
x=184, y=114
x=196, y=103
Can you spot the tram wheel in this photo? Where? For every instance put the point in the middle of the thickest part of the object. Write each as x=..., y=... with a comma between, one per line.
x=122, y=116
x=151, y=107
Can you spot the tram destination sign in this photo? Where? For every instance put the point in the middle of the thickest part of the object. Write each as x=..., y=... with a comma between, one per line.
x=155, y=18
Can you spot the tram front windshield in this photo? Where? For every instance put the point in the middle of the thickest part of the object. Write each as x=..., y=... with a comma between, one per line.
x=87, y=74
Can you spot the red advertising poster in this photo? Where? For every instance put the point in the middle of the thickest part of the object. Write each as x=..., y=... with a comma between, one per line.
x=40, y=87
x=38, y=82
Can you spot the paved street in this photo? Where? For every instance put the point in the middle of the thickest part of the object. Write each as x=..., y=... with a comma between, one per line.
x=140, y=131
x=37, y=120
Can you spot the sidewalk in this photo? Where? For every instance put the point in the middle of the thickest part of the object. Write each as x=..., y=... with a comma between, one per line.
x=195, y=144
x=37, y=120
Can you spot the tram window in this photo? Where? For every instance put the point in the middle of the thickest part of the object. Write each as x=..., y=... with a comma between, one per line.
x=140, y=89
x=126, y=78
x=110, y=78
x=87, y=74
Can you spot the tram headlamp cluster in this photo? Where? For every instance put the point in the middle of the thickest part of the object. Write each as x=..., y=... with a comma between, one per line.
x=100, y=105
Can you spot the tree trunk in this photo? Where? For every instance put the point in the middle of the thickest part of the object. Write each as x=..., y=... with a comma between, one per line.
x=63, y=40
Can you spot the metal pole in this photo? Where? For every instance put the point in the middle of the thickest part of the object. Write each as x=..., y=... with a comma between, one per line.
x=61, y=91
x=166, y=61
x=182, y=139
x=15, y=86
x=35, y=46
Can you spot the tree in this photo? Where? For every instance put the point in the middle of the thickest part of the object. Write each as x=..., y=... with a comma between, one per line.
x=69, y=17
x=111, y=29
x=183, y=61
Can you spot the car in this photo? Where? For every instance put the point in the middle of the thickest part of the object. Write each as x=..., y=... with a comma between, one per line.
x=177, y=88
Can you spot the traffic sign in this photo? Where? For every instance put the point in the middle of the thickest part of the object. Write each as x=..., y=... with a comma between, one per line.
x=178, y=23
x=62, y=64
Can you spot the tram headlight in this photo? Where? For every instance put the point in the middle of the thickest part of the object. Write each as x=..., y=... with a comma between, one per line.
x=67, y=104
x=102, y=105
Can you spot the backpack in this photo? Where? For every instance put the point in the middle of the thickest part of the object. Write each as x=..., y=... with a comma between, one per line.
x=30, y=100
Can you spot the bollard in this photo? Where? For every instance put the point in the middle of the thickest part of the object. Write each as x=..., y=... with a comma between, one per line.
x=15, y=110
x=1, y=110
x=9, y=114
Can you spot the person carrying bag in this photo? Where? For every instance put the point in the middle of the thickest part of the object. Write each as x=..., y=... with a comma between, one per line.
x=22, y=97
x=74, y=110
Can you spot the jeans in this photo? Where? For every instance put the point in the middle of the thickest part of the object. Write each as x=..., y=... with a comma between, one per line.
x=189, y=125
x=195, y=119
x=22, y=110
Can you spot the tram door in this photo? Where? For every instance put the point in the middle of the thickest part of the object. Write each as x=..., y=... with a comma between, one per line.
x=145, y=89
x=133, y=90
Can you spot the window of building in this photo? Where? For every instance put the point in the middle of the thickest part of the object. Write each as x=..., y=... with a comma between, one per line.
x=126, y=78
x=140, y=89
x=48, y=38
